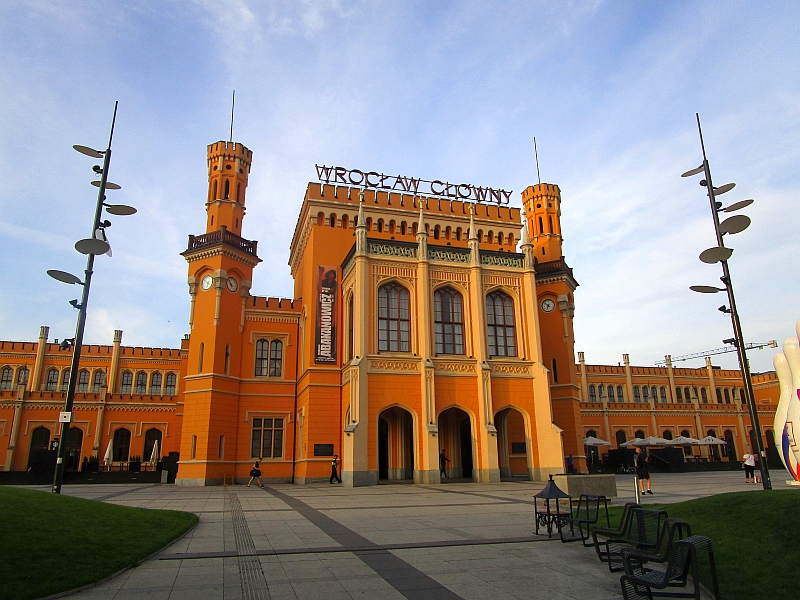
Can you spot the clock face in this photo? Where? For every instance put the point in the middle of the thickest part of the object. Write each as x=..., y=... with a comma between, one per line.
x=548, y=305
x=206, y=282
x=232, y=284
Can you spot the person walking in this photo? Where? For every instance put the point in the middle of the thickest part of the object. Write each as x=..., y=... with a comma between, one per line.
x=570, y=465
x=443, y=460
x=642, y=472
x=334, y=469
x=749, y=467
x=255, y=473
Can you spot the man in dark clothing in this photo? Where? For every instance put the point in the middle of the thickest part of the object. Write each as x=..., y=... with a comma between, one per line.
x=334, y=470
x=642, y=472
x=443, y=460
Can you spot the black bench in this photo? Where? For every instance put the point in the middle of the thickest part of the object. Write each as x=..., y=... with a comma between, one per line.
x=682, y=562
x=642, y=533
x=671, y=532
x=613, y=532
x=587, y=513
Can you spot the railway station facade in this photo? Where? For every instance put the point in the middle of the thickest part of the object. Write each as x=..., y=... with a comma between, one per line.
x=419, y=323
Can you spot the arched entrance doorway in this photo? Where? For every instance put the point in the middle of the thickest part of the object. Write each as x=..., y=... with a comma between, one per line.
x=730, y=449
x=455, y=438
x=512, y=447
x=40, y=446
x=395, y=445
x=151, y=438
x=73, y=449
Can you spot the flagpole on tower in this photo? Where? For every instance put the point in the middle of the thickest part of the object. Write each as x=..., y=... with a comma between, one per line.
x=536, y=153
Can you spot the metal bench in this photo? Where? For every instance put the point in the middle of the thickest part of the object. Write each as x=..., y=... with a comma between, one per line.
x=642, y=533
x=611, y=532
x=673, y=530
x=682, y=562
x=587, y=513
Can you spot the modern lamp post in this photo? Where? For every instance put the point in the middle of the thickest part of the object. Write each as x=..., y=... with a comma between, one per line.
x=721, y=254
x=97, y=244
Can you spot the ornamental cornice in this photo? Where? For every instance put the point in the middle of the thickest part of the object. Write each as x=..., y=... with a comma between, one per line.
x=391, y=249
x=393, y=365
x=270, y=318
x=454, y=367
x=457, y=255
x=4, y=355
x=221, y=250
x=510, y=368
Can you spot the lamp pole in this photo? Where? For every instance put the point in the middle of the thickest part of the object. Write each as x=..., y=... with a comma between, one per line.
x=79, y=328
x=741, y=349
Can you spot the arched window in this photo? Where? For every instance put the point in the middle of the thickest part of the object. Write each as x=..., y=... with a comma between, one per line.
x=611, y=393
x=262, y=358
x=678, y=395
x=458, y=234
x=64, y=380
x=141, y=382
x=620, y=395
x=22, y=376
x=6, y=378
x=368, y=223
x=719, y=395
x=742, y=397
x=687, y=394
x=227, y=189
x=122, y=444
x=639, y=434
x=490, y=237
x=654, y=393
x=151, y=438
x=645, y=393
x=200, y=358
x=99, y=381
x=499, y=238
x=729, y=449
x=448, y=318
x=40, y=442
x=541, y=226
x=550, y=222
x=350, y=328
x=155, y=384
x=227, y=359
x=215, y=192
x=687, y=450
x=52, y=380
x=332, y=220
x=83, y=380
x=447, y=232
x=275, y=358
x=345, y=222
x=403, y=228
x=592, y=393
x=169, y=388
x=667, y=434
x=704, y=395
x=500, y=324
x=727, y=396
x=320, y=219
x=393, y=318
x=621, y=438
x=555, y=375
x=127, y=382
x=636, y=394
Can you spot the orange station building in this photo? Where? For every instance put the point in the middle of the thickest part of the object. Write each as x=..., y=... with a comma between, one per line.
x=419, y=325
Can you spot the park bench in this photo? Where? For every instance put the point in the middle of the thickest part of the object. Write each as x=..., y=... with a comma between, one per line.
x=613, y=532
x=642, y=533
x=578, y=526
x=672, y=531
x=683, y=561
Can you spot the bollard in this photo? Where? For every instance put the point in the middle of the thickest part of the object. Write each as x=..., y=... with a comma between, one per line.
x=636, y=489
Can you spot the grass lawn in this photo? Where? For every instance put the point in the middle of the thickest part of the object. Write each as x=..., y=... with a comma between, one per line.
x=756, y=538
x=52, y=543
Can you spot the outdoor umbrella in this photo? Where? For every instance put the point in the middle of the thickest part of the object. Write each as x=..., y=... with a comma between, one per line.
x=593, y=441
x=109, y=453
x=645, y=442
x=154, y=456
x=683, y=441
x=710, y=440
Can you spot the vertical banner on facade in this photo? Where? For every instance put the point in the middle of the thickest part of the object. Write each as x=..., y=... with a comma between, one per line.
x=325, y=352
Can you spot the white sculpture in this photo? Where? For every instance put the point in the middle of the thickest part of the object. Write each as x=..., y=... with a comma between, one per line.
x=787, y=417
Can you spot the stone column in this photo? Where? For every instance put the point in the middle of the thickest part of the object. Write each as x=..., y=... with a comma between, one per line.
x=488, y=467
x=628, y=379
x=355, y=459
x=113, y=374
x=19, y=406
x=98, y=426
x=672, y=396
x=711, y=385
x=428, y=469
x=36, y=376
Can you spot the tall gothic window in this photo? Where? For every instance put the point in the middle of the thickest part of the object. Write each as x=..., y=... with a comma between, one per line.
x=172, y=380
x=7, y=378
x=448, y=317
x=155, y=385
x=500, y=322
x=269, y=358
x=393, y=318
x=83, y=380
x=127, y=382
x=22, y=376
x=99, y=381
x=262, y=358
x=52, y=380
x=65, y=380
x=141, y=383
x=275, y=358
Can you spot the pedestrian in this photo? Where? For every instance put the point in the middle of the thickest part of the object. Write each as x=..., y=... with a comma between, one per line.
x=443, y=460
x=642, y=472
x=570, y=465
x=255, y=473
x=749, y=467
x=334, y=469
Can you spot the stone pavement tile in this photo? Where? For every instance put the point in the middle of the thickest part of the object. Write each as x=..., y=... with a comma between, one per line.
x=281, y=591
x=320, y=590
x=369, y=582
x=150, y=578
x=149, y=594
x=388, y=593
x=196, y=578
x=207, y=593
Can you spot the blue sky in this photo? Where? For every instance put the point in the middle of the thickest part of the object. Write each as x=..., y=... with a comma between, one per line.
x=449, y=90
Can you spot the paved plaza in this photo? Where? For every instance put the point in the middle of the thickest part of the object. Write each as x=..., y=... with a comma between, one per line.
x=448, y=541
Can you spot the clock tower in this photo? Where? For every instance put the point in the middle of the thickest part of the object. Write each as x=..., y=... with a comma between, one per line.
x=220, y=273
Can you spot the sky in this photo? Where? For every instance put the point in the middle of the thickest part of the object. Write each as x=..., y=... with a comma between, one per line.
x=438, y=90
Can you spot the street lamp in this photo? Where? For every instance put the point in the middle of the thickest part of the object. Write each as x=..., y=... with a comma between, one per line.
x=96, y=244
x=721, y=254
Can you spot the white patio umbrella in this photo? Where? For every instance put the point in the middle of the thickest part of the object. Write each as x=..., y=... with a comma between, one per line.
x=710, y=440
x=683, y=441
x=646, y=442
x=593, y=441
x=154, y=456
x=109, y=456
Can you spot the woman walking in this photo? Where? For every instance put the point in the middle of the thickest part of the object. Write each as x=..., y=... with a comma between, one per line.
x=749, y=468
x=255, y=473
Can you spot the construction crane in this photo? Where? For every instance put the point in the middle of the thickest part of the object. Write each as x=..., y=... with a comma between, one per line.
x=723, y=350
